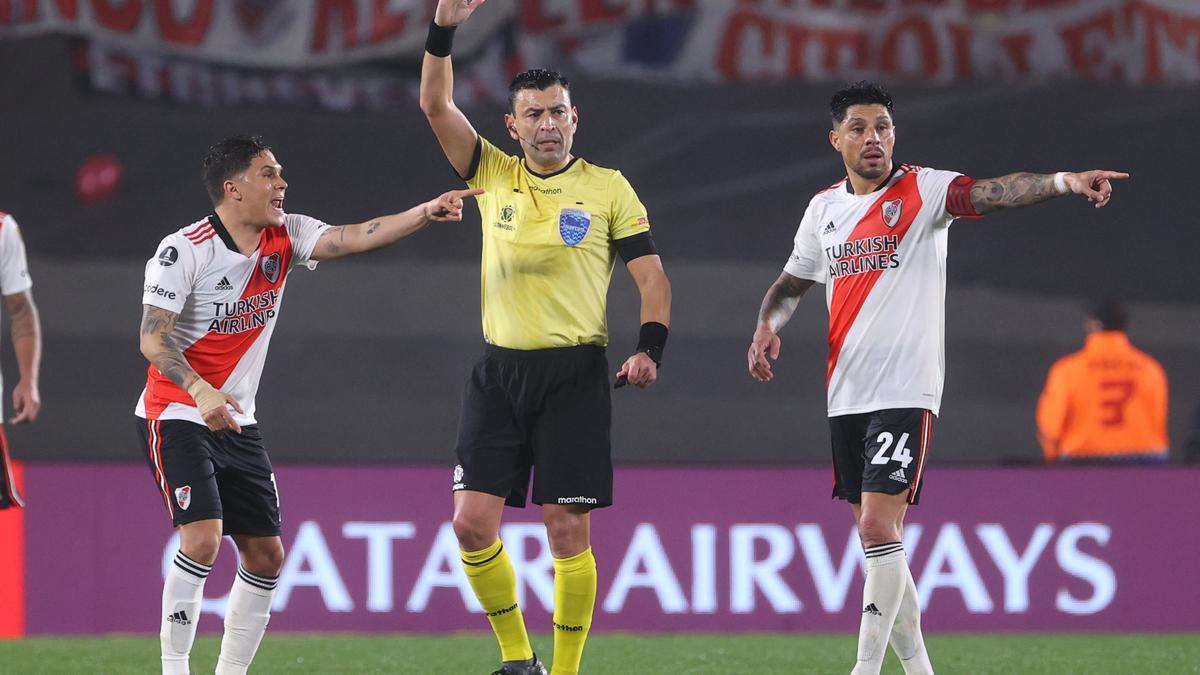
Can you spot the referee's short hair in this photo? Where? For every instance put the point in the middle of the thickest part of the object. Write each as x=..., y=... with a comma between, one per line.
x=534, y=78
x=863, y=92
x=227, y=158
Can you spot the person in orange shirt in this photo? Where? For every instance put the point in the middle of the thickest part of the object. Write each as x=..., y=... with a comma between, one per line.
x=1107, y=401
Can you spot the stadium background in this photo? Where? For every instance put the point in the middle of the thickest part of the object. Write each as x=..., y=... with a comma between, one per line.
x=715, y=111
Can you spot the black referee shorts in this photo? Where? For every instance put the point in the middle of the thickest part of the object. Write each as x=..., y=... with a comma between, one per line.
x=202, y=474
x=544, y=412
x=880, y=451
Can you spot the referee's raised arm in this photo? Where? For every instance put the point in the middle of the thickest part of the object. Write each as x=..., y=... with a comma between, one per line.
x=454, y=132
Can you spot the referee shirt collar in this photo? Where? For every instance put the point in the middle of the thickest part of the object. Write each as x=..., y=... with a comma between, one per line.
x=552, y=174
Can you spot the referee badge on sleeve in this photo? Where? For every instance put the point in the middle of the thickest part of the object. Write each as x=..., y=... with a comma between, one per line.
x=573, y=225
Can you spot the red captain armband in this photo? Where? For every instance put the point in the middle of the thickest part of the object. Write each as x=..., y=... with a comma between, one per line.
x=958, y=198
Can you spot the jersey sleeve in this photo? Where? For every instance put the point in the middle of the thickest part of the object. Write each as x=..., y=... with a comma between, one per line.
x=808, y=260
x=170, y=274
x=304, y=231
x=14, y=270
x=628, y=217
x=488, y=165
x=949, y=192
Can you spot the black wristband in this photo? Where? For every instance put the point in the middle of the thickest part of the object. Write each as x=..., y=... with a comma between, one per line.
x=440, y=39
x=652, y=339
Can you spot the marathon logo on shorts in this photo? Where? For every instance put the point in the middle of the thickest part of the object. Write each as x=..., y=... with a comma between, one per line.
x=270, y=267
x=891, y=211
x=183, y=497
x=573, y=225
x=577, y=500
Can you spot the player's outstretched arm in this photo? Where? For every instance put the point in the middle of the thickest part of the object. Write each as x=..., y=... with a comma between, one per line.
x=641, y=369
x=340, y=241
x=1024, y=189
x=159, y=347
x=26, y=331
x=777, y=307
x=454, y=132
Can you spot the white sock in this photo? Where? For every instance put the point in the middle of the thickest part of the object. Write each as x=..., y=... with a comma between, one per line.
x=246, y=618
x=886, y=571
x=183, y=591
x=906, y=639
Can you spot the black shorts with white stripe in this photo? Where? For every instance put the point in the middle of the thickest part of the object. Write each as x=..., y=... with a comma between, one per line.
x=880, y=451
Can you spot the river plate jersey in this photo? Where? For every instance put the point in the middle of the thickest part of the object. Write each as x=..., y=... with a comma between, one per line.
x=14, y=270
x=227, y=305
x=882, y=258
x=548, y=248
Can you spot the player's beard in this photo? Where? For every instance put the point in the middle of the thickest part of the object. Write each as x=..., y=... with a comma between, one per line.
x=871, y=173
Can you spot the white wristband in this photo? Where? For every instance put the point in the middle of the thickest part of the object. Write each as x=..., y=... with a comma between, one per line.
x=1060, y=182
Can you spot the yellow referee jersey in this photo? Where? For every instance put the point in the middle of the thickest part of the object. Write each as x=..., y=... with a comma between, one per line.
x=548, y=249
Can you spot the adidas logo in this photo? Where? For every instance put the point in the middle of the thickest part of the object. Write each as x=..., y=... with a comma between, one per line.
x=180, y=618
x=224, y=284
x=829, y=228
x=898, y=475
x=872, y=609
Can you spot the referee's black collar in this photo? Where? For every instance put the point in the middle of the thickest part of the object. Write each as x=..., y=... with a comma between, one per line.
x=552, y=174
x=222, y=232
x=897, y=167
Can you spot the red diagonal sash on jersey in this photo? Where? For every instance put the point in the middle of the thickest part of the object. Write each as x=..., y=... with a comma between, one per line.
x=215, y=355
x=850, y=292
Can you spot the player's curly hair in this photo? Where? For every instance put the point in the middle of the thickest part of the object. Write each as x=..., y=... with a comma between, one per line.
x=535, y=78
x=226, y=158
x=858, y=93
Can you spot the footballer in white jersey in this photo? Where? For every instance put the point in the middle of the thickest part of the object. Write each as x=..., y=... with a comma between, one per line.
x=227, y=304
x=16, y=287
x=877, y=240
x=211, y=297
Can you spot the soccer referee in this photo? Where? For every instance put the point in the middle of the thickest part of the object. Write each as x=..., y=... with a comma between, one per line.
x=538, y=400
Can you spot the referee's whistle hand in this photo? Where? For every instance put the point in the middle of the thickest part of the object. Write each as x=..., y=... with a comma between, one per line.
x=640, y=370
x=764, y=344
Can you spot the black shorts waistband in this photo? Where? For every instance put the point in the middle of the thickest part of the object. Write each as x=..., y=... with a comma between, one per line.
x=577, y=351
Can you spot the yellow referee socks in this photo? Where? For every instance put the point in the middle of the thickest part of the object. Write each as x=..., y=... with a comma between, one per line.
x=491, y=575
x=574, y=599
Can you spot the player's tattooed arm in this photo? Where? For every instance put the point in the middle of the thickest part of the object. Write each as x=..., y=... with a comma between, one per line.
x=1023, y=189
x=27, y=343
x=777, y=308
x=1015, y=189
x=160, y=348
x=780, y=301
x=343, y=240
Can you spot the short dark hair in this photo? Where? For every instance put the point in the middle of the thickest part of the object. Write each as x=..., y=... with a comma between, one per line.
x=534, y=78
x=1111, y=314
x=858, y=93
x=229, y=157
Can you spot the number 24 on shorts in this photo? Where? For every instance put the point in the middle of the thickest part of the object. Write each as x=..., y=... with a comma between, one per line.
x=899, y=454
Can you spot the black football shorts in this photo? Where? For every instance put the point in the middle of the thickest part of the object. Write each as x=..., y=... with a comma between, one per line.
x=202, y=474
x=880, y=451
x=541, y=412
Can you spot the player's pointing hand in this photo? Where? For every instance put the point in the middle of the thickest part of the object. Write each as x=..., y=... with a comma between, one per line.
x=1094, y=184
x=449, y=206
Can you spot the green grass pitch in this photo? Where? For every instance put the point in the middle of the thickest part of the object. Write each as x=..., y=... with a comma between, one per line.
x=620, y=654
